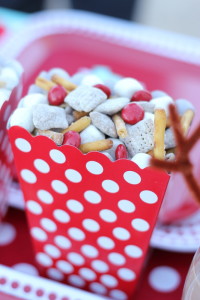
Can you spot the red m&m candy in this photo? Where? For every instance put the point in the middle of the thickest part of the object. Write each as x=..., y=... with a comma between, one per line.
x=104, y=89
x=56, y=95
x=132, y=113
x=121, y=152
x=72, y=138
x=141, y=96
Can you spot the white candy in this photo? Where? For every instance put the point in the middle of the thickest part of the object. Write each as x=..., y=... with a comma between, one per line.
x=158, y=94
x=162, y=103
x=91, y=80
x=22, y=117
x=34, y=89
x=142, y=160
x=126, y=87
x=33, y=99
x=44, y=74
x=46, y=117
x=60, y=72
x=91, y=134
x=9, y=76
x=15, y=65
x=4, y=95
x=183, y=105
x=112, y=106
x=148, y=115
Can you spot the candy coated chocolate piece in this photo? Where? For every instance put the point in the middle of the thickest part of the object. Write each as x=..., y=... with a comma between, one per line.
x=72, y=138
x=141, y=96
x=132, y=113
x=104, y=88
x=121, y=152
x=56, y=95
x=126, y=87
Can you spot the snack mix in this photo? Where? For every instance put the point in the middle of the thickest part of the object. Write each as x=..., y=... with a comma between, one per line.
x=119, y=118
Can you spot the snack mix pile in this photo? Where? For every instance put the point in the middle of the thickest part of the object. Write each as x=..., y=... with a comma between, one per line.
x=120, y=119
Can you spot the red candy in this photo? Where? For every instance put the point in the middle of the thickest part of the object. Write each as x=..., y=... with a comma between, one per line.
x=104, y=89
x=121, y=152
x=56, y=95
x=72, y=138
x=141, y=96
x=132, y=113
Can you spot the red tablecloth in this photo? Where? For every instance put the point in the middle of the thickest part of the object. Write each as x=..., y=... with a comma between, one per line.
x=163, y=276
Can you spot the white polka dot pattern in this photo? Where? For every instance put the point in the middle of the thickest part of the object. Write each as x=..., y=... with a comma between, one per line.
x=91, y=219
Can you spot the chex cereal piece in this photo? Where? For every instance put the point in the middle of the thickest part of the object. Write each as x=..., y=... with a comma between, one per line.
x=69, y=118
x=22, y=117
x=182, y=105
x=162, y=103
x=85, y=98
x=169, y=139
x=57, y=137
x=112, y=106
x=100, y=145
x=68, y=108
x=33, y=99
x=103, y=123
x=46, y=117
x=147, y=106
x=108, y=155
x=111, y=151
x=79, y=125
x=140, y=137
x=126, y=87
x=91, y=134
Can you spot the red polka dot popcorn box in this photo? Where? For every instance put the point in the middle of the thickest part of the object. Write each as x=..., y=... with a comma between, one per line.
x=90, y=218
x=10, y=94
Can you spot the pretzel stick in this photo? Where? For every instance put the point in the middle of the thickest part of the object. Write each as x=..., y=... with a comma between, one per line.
x=70, y=86
x=79, y=125
x=44, y=83
x=79, y=114
x=159, y=133
x=100, y=145
x=186, y=120
x=120, y=126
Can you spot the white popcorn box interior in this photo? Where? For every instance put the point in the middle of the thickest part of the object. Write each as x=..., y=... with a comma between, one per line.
x=90, y=219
